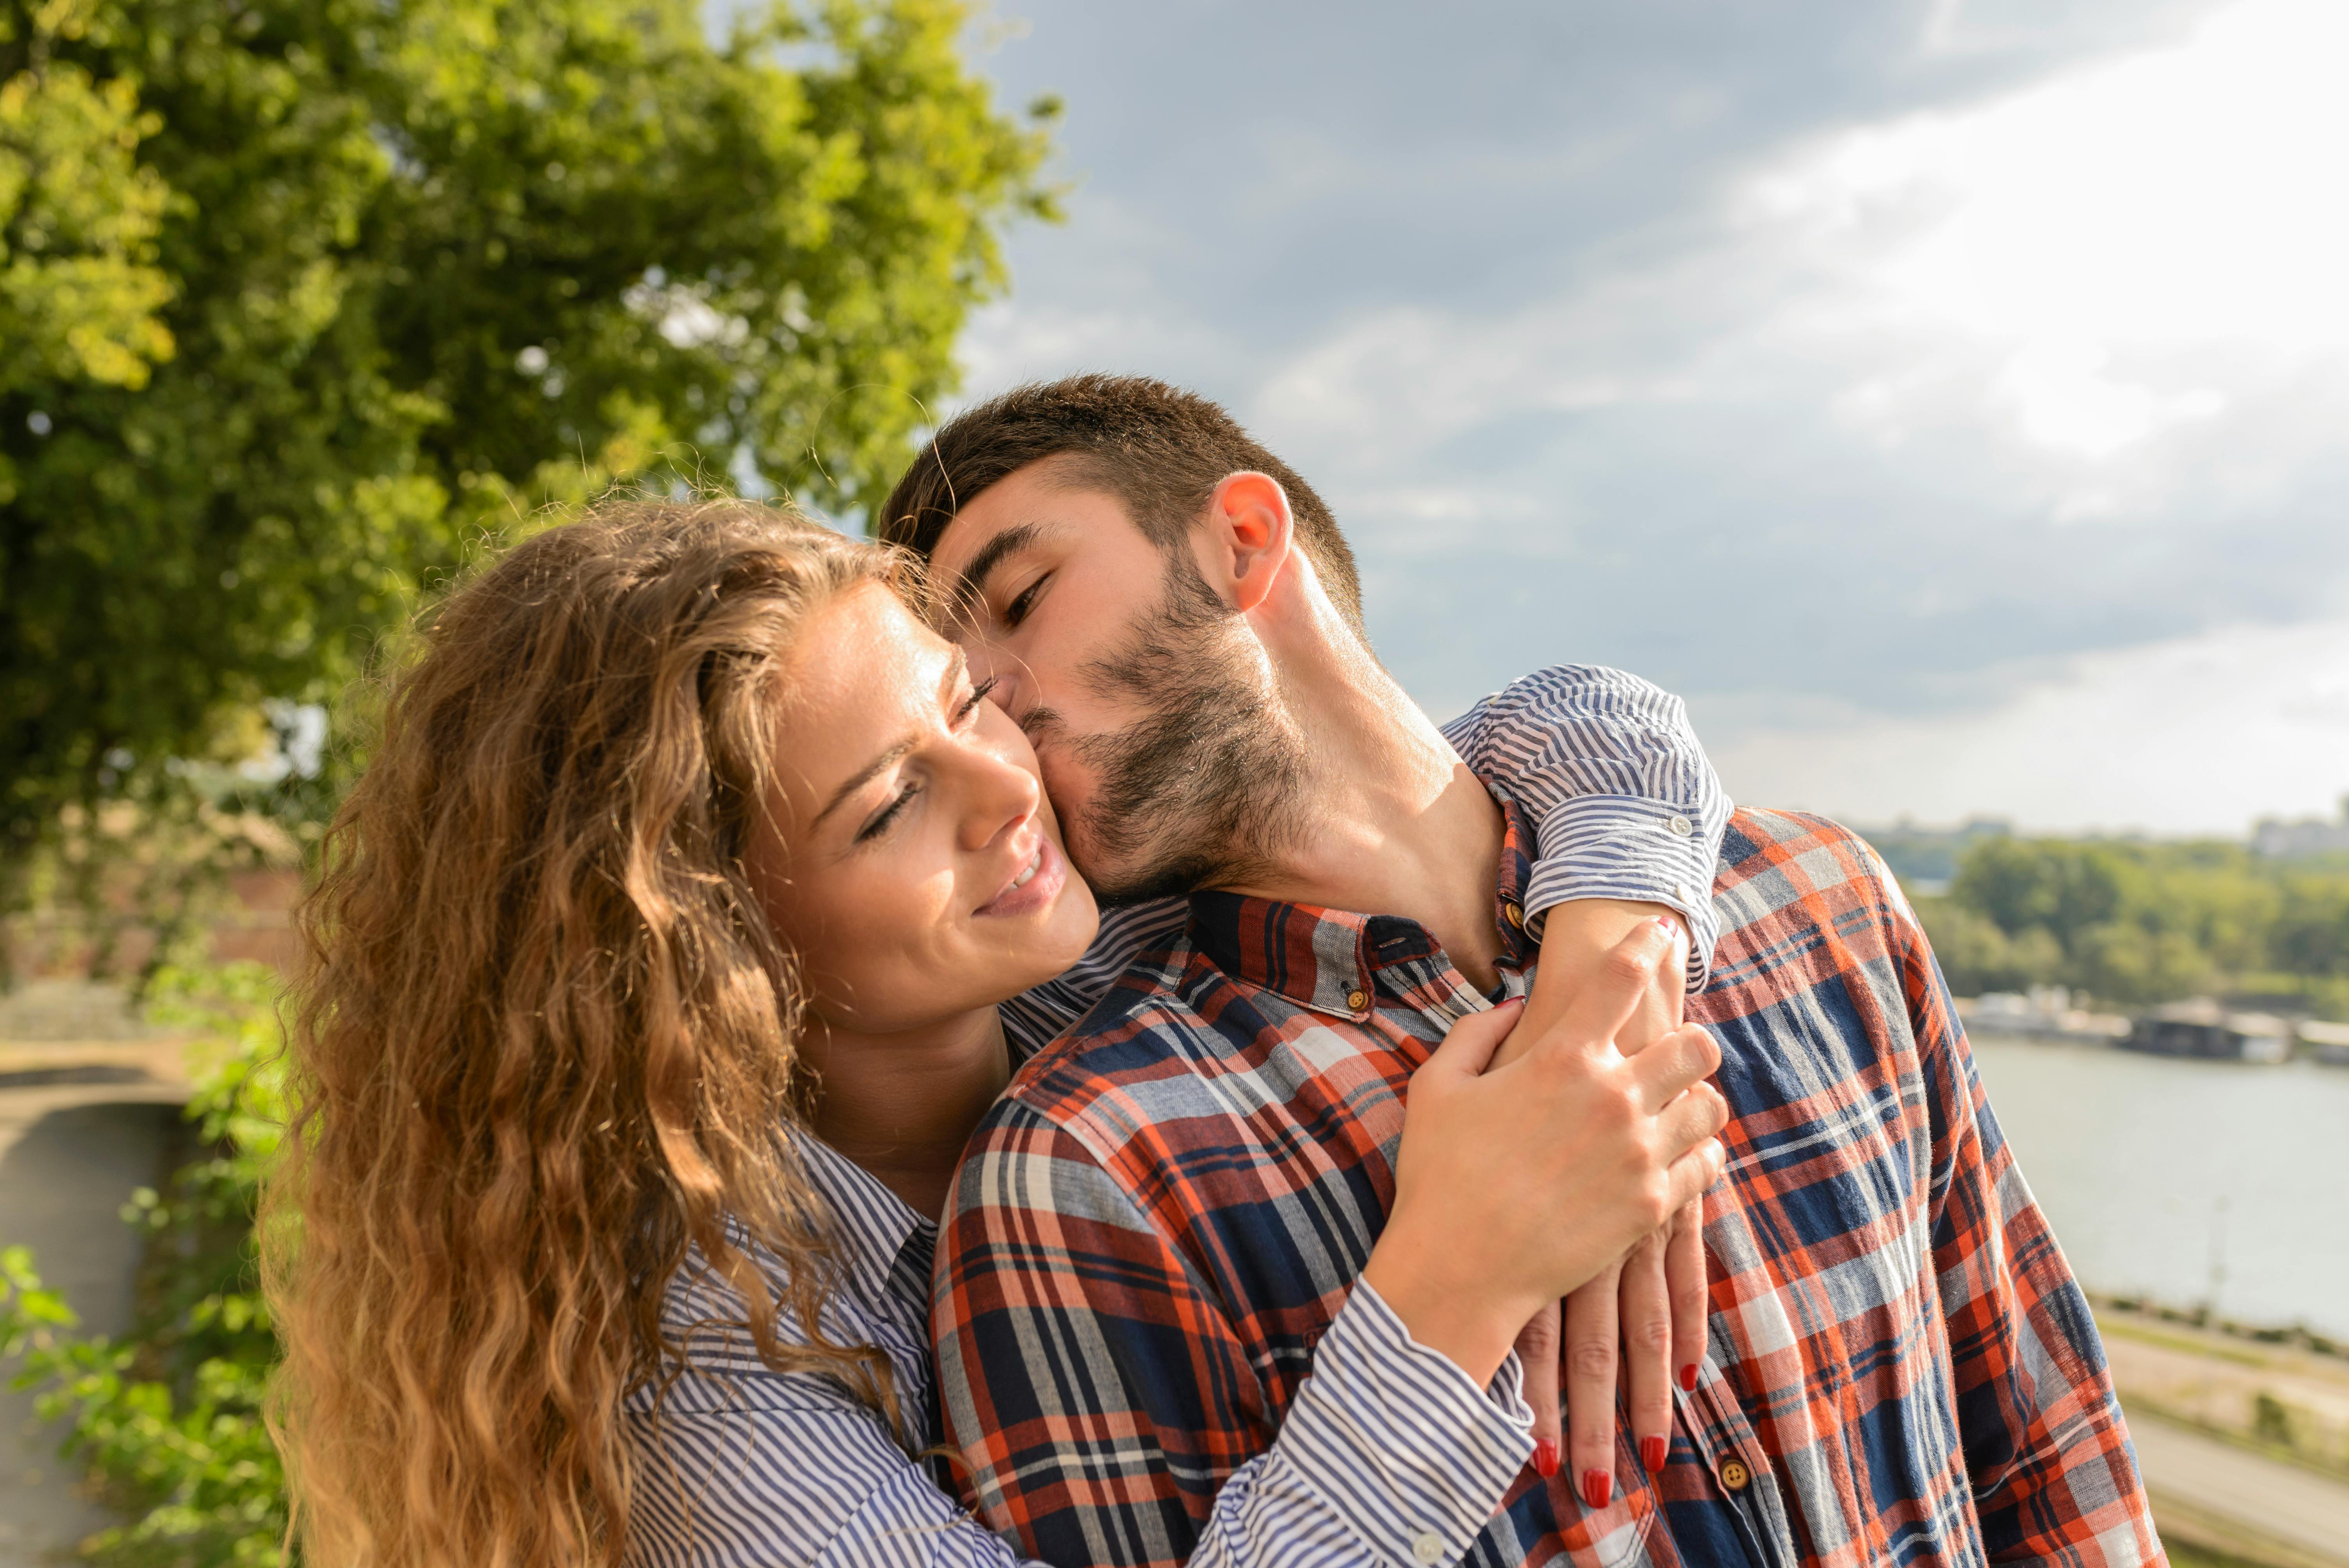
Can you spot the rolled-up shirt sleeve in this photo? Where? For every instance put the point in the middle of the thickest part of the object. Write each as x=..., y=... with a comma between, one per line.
x=1627, y=804
x=1389, y=1455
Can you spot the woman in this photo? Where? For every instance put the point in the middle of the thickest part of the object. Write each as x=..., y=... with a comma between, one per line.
x=600, y=1246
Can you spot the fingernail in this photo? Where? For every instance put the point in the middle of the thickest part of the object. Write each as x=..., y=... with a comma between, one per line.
x=1652, y=1451
x=1597, y=1487
x=1545, y=1459
x=1668, y=925
x=1688, y=1379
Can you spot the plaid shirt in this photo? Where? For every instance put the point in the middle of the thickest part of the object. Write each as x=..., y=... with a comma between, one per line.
x=1165, y=1210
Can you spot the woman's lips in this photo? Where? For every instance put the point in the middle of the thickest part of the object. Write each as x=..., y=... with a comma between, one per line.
x=1035, y=886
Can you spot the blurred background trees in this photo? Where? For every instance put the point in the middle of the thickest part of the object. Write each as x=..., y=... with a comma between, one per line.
x=299, y=296
x=301, y=303
x=2131, y=922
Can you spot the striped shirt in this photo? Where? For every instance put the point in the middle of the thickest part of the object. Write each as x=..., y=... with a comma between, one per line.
x=1168, y=1206
x=1388, y=1454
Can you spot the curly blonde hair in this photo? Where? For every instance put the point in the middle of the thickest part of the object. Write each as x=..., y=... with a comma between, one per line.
x=545, y=1042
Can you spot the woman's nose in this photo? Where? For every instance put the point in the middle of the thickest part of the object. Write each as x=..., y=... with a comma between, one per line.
x=1003, y=796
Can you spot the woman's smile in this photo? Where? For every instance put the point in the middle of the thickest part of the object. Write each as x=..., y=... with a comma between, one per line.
x=1035, y=885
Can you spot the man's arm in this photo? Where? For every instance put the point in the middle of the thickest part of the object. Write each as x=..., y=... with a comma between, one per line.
x=1108, y=1414
x=2053, y=1477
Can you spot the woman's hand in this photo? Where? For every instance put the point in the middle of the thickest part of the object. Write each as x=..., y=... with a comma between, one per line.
x=1643, y=1323
x=1515, y=1185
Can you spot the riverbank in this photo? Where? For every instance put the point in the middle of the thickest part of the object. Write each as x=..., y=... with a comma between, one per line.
x=2243, y=1436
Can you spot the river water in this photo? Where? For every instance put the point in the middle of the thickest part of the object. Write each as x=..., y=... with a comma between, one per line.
x=2187, y=1181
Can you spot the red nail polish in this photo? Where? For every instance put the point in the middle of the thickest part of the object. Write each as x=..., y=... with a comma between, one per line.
x=1652, y=1451
x=1545, y=1459
x=1598, y=1488
x=1688, y=1379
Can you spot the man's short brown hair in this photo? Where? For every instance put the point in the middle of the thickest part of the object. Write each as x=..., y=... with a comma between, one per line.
x=1156, y=447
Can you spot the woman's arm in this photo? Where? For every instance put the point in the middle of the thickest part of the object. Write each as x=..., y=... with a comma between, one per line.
x=1625, y=804
x=1388, y=1455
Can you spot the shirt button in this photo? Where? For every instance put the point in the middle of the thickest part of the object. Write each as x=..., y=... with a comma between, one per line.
x=1357, y=1000
x=1427, y=1547
x=1734, y=1475
x=1681, y=826
x=1517, y=913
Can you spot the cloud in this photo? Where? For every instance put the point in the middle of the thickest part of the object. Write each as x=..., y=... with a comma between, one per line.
x=1841, y=365
x=2160, y=739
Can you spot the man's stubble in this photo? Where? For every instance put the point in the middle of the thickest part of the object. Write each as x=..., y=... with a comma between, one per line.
x=1207, y=786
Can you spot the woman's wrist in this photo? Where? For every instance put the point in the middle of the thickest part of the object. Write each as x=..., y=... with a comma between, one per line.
x=1447, y=1308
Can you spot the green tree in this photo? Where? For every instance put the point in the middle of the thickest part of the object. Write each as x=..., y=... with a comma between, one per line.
x=2022, y=884
x=304, y=293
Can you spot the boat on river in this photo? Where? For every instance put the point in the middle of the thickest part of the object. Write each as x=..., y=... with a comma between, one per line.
x=2202, y=1029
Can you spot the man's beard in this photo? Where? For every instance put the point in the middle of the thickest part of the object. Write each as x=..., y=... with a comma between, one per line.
x=1205, y=787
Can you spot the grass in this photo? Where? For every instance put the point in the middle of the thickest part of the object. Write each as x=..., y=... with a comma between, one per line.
x=2182, y=1556
x=2191, y=1347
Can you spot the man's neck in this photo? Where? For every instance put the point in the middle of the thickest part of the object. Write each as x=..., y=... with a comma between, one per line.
x=903, y=1105
x=1392, y=822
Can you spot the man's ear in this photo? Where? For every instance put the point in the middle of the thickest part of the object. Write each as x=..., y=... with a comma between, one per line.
x=1247, y=537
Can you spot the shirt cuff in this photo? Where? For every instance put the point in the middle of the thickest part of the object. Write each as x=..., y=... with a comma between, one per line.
x=1633, y=848
x=1411, y=1454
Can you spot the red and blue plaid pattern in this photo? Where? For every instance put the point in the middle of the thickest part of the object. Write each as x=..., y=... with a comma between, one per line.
x=1168, y=1207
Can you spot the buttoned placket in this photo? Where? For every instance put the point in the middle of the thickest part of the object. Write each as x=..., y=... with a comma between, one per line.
x=1725, y=1443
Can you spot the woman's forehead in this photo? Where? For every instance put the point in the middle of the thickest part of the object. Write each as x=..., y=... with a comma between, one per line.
x=864, y=678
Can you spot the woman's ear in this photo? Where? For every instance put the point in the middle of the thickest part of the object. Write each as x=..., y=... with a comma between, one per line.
x=1249, y=535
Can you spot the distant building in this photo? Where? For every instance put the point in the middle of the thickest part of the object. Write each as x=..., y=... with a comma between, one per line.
x=2202, y=1029
x=2045, y=1013
x=2274, y=837
x=2327, y=1042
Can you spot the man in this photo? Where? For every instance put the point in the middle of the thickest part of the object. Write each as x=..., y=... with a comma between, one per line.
x=1154, y=1224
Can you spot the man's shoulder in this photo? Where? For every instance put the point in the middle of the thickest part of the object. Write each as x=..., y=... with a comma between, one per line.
x=1801, y=898
x=1132, y=1060
x=1770, y=859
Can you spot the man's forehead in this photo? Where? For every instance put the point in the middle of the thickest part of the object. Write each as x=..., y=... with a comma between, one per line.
x=1031, y=499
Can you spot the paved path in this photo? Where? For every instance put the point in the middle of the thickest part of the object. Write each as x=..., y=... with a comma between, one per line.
x=80, y=1126
x=2293, y=1505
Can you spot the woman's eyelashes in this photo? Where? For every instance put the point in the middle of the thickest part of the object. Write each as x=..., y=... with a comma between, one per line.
x=978, y=694
x=879, y=822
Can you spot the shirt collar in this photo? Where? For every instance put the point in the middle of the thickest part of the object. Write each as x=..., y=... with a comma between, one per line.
x=1328, y=959
x=886, y=1246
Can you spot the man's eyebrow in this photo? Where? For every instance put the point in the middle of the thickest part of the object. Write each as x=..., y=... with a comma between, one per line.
x=972, y=582
x=957, y=666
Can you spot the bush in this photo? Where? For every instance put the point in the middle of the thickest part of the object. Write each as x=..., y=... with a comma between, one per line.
x=169, y=1418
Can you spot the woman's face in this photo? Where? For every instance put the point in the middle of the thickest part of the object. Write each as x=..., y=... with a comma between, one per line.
x=915, y=866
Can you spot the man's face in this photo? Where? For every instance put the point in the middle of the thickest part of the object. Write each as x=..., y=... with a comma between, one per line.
x=1149, y=703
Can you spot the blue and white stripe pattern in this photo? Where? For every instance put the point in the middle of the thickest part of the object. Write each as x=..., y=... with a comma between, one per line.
x=1625, y=804
x=1389, y=1458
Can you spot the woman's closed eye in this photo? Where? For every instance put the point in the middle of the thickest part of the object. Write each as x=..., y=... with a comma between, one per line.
x=878, y=823
x=880, y=820
x=970, y=704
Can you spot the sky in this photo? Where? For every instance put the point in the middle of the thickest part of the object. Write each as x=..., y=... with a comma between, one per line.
x=1949, y=398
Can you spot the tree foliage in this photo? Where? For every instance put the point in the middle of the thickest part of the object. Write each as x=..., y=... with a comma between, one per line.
x=296, y=295
x=2137, y=923
x=169, y=1417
